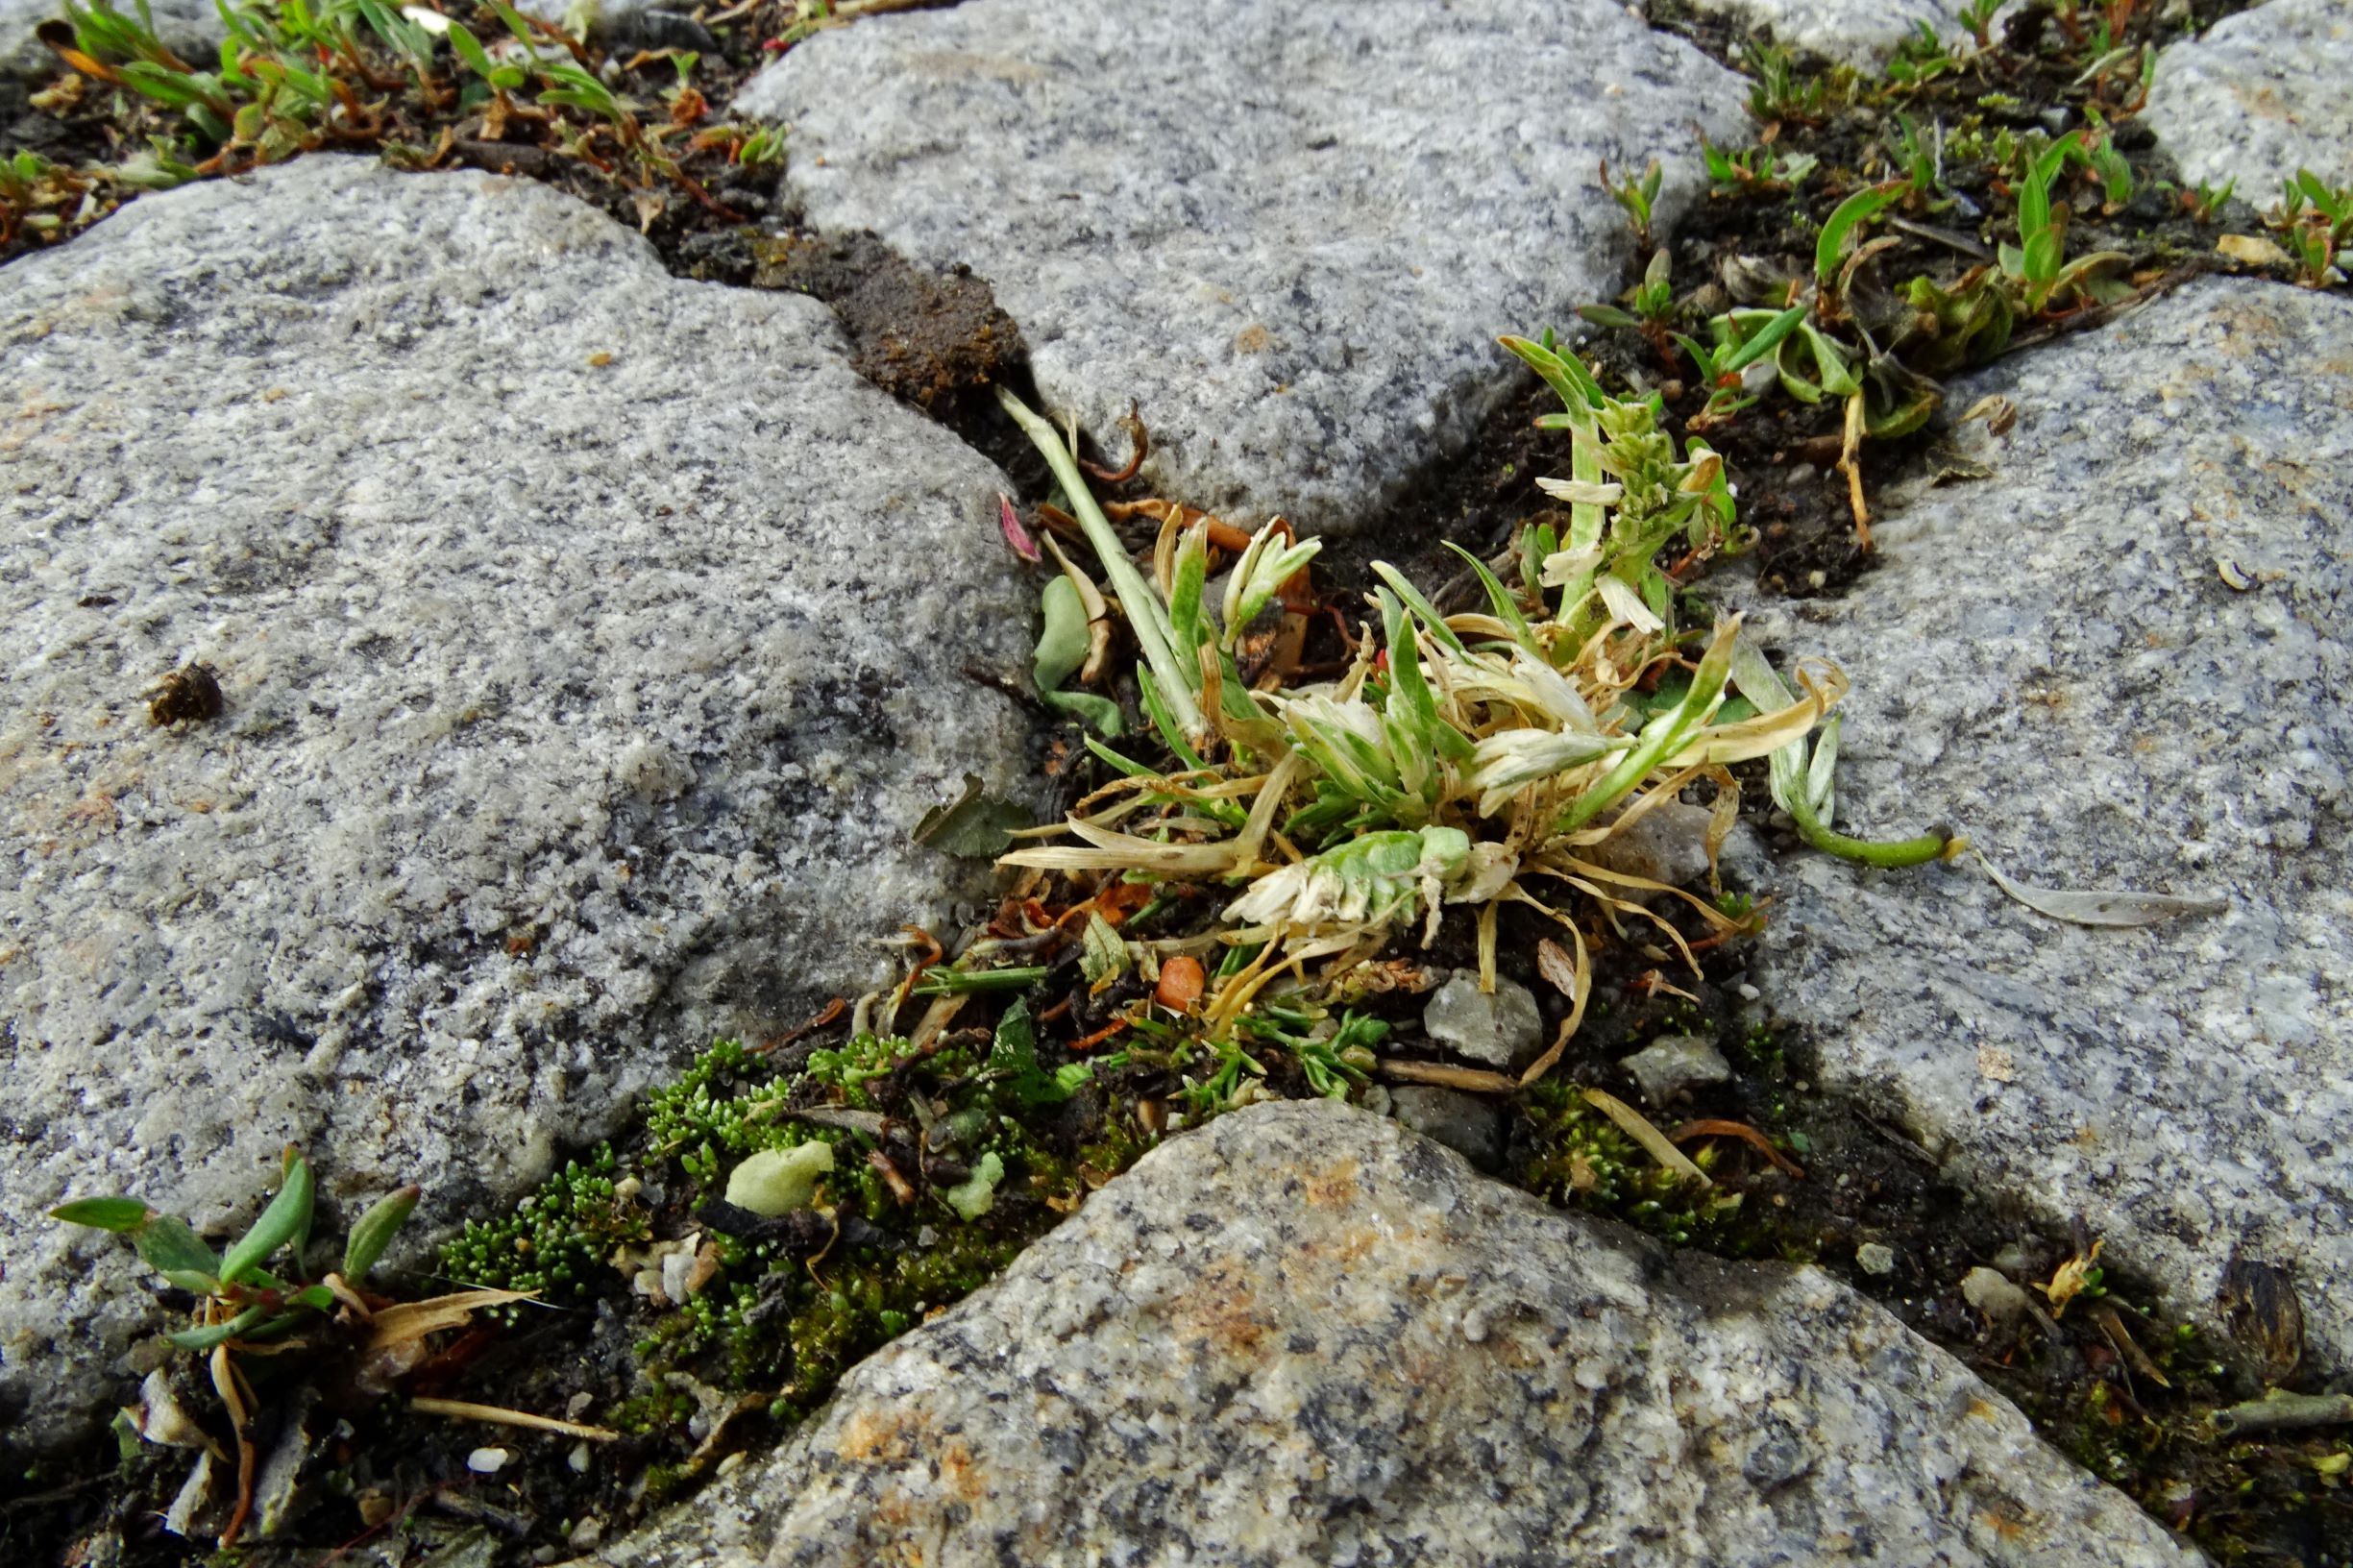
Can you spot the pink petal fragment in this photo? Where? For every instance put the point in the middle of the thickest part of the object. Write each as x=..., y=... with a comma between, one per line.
x=1016, y=534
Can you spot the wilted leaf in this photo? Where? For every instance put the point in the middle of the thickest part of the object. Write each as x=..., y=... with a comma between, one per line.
x=1553, y=962
x=2254, y=250
x=2071, y=1278
x=1638, y=1126
x=1103, y=953
x=976, y=826
x=2105, y=906
x=413, y=1320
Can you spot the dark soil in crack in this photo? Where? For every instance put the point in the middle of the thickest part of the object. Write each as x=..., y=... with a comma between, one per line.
x=935, y=341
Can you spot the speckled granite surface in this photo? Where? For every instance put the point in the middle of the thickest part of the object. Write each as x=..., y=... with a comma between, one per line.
x=1304, y=1335
x=2261, y=95
x=563, y=614
x=2052, y=659
x=1289, y=233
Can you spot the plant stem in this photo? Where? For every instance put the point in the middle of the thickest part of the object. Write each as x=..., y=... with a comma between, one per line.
x=943, y=982
x=1145, y=614
x=1917, y=852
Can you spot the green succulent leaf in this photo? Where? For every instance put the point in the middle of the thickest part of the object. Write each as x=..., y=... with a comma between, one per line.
x=1063, y=645
x=375, y=1230
x=286, y=1221
x=1845, y=219
x=173, y=1250
x=120, y=1214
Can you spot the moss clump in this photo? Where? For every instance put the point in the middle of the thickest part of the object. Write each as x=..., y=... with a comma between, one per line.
x=557, y=1238
x=892, y=1233
x=1579, y=1159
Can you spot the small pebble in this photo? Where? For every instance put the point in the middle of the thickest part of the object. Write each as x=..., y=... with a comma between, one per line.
x=1876, y=1258
x=1991, y=1295
x=1672, y=1063
x=1501, y=1029
x=1749, y=993
x=487, y=1461
x=579, y=1459
x=586, y=1533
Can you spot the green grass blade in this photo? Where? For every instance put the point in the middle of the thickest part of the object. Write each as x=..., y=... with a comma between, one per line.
x=283, y=1222
x=1422, y=608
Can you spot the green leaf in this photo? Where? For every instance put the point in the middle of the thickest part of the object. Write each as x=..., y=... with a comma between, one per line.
x=1850, y=214
x=1099, y=714
x=1146, y=615
x=515, y=24
x=470, y=50
x=104, y=1213
x=1157, y=708
x=1185, y=629
x=975, y=826
x=1608, y=315
x=1565, y=374
x=375, y=1230
x=1663, y=736
x=285, y=1220
x=1063, y=643
x=1265, y=579
x=1705, y=358
x=939, y=981
x=1499, y=598
x=1767, y=339
x=1013, y=1053
x=1426, y=612
x=172, y=1250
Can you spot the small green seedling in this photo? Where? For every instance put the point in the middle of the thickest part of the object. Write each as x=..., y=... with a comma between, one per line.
x=1653, y=307
x=1637, y=197
x=1754, y=171
x=762, y=148
x=2316, y=222
x=1921, y=58
x=1977, y=17
x=1922, y=160
x=2100, y=155
x=2205, y=204
x=1778, y=93
x=2038, y=265
x=240, y=1299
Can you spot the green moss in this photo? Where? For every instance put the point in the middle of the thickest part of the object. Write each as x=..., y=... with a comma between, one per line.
x=769, y=1317
x=1582, y=1160
x=557, y=1238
